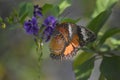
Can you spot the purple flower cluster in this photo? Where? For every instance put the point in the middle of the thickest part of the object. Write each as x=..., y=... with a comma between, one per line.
x=31, y=26
x=49, y=23
x=37, y=11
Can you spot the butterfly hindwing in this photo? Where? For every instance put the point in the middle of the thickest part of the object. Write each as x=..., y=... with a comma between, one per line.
x=59, y=41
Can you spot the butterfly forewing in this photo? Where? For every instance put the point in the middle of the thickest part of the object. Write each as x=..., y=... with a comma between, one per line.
x=85, y=35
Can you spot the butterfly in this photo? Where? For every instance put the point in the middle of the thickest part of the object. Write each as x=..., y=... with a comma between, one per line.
x=67, y=39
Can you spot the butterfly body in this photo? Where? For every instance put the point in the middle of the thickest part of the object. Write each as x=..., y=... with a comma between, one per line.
x=67, y=38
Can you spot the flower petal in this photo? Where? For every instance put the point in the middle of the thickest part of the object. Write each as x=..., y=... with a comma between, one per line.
x=31, y=26
x=37, y=11
x=50, y=21
x=47, y=33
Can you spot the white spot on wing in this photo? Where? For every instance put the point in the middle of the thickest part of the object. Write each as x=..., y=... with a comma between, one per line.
x=70, y=30
x=84, y=34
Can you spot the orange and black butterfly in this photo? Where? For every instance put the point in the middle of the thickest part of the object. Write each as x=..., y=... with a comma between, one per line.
x=67, y=38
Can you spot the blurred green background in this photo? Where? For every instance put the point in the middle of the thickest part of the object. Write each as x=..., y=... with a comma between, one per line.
x=18, y=57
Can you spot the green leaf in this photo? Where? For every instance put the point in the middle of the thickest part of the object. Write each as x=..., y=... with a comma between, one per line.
x=69, y=20
x=26, y=8
x=81, y=58
x=83, y=71
x=108, y=34
x=102, y=5
x=110, y=67
x=49, y=9
x=22, y=9
x=115, y=41
x=22, y=18
x=97, y=23
x=64, y=4
x=30, y=8
x=46, y=8
x=102, y=77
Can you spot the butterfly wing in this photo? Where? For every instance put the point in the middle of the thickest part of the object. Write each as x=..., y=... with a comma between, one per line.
x=57, y=45
x=80, y=37
x=67, y=39
x=72, y=48
x=85, y=35
x=59, y=41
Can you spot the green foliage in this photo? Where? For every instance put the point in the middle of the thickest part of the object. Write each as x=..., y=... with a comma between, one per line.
x=19, y=14
x=97, y=23
x=107, y=34
x=64, y=4
x=110, y=67
x=50, y=9
x=102, y=5
x=26, y=9
x=56, y=10
x=81, y=58
x=83, y=71
x=13, y=18
x=102, y=77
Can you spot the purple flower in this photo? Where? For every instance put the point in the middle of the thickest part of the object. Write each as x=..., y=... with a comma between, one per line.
x=37, y=11
x=47, y=34
x=31, y=26
x=49, y=23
